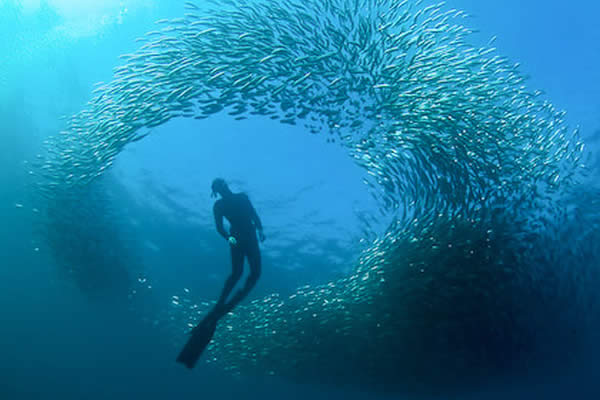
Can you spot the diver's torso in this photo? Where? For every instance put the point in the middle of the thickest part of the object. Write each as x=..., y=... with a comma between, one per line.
x=238, y=211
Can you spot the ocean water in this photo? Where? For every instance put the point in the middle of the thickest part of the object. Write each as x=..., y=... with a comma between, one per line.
x=432, y=224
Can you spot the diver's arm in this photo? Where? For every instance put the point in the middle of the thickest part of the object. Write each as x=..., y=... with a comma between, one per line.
x=256, y=219
x=219, y=220
x=257, y=223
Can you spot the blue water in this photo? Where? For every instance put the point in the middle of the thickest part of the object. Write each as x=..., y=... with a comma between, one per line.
x=59, y=341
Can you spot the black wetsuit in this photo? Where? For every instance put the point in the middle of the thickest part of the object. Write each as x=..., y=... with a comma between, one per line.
x=244, y=222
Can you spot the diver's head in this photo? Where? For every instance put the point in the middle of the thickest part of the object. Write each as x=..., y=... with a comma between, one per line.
x=219, y=186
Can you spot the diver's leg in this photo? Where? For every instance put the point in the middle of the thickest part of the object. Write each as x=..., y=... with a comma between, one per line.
x=237, y=267
x=253, y=254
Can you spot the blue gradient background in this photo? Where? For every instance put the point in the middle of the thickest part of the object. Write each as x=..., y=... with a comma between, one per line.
x=57, y=343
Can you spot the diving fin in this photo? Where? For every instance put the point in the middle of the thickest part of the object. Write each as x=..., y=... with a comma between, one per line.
x=197, y=343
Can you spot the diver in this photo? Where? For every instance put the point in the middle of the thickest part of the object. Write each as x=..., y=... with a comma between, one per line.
x=243, y=243
x=244, y=222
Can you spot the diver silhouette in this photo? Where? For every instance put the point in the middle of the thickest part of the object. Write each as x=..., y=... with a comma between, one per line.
x=243, y=243
x=244, y=222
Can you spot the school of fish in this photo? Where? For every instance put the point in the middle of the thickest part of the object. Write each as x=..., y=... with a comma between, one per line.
x=469, y=161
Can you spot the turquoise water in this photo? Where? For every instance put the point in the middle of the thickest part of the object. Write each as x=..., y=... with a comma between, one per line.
x=488, y=293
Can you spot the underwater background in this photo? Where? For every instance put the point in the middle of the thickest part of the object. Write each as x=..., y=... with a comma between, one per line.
x=432, y=221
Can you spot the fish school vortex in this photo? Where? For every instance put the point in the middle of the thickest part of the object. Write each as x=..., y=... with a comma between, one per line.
x=465, y=160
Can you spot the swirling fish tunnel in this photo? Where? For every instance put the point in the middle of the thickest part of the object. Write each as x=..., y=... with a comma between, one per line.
x=469, y=161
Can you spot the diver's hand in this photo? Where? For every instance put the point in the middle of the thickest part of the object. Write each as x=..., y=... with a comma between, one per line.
x=232, y=241
x=261, y=236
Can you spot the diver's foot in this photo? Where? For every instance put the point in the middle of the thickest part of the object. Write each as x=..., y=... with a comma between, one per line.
x=215, y=314
x=219, y=309
x=211, y=318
